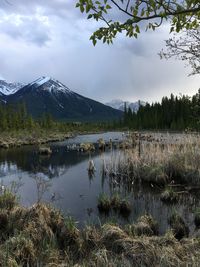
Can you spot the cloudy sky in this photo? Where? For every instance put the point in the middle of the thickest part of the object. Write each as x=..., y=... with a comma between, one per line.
x=51, y=38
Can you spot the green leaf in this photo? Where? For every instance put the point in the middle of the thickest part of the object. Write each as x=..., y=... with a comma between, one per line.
x=94, y=41
x=82, y=9
x=108, y=7
x=89, y=16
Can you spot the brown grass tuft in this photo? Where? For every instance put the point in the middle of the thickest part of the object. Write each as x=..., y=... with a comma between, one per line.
x=146, y=225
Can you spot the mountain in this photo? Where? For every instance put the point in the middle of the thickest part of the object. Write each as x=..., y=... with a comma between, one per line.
x=119, y=104
x=7, y=88
x=47, y=95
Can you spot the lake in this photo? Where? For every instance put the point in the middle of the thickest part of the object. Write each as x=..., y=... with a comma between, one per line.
x=63, y=180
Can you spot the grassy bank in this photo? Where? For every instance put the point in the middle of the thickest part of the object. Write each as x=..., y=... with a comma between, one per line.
x=38, y=135
x=25, y=137
x=42, y=236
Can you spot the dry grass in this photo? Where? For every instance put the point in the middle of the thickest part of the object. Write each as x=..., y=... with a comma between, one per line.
x=160, y=162
x=26, y=137
x=41, y=236
x=106, y=203
x=145, y=226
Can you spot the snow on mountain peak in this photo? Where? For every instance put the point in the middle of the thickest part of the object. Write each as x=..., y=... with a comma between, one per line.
x=120, y=104
x=9, y=88
x=50, y=84
x=42, y=80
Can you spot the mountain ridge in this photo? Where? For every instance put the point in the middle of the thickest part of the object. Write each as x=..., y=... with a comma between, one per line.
x=48, y=95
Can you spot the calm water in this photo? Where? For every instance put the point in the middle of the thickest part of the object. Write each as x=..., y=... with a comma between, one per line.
x=69, y=188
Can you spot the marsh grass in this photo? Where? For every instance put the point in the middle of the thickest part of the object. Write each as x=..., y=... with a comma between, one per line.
x=145, y=225
x=169, y=195
x=104, y=203
x=42, y=236
x=35, y=234
x=159, y=163
x=115, y=202
x=8, y=200
x=179, y=227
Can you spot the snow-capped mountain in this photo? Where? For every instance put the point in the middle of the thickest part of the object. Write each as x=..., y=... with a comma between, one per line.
x=120, y=104
x=8, y=88
x=50, y=84
x=47, y=95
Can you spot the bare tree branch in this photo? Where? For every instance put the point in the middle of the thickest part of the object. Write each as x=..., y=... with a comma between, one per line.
x=186, y=47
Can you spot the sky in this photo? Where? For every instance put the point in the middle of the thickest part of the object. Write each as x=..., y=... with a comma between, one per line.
x=51, y=38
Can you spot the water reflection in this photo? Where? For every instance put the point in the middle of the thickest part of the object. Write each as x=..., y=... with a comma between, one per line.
x=29, y=160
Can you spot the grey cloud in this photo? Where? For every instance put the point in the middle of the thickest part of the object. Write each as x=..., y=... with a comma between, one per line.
x=29, y=29
x=60, y=8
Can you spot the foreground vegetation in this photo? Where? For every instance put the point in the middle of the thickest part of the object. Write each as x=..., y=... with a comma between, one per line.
x=42, y=236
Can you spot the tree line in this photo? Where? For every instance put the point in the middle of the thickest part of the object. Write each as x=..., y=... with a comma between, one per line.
x=173, y=113
x=16, y=118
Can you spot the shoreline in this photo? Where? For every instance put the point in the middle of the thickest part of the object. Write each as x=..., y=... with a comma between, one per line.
x=24, y=138
x=39, y=137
